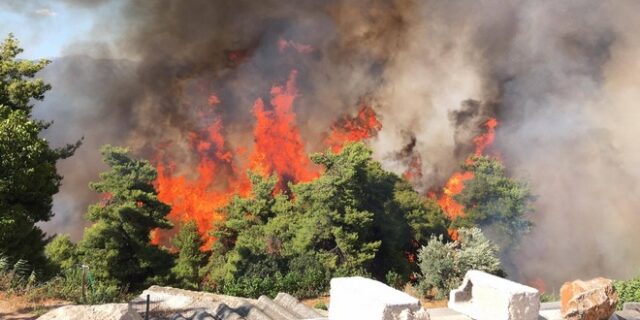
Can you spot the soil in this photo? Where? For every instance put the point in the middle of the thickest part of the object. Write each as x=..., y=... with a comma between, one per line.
x=14, y=307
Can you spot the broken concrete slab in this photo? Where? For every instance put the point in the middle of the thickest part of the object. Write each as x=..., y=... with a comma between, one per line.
x=362, y=298
x=483, y=296
x=595, y=299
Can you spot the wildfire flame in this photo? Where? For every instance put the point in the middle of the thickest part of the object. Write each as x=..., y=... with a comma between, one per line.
x=278, y=145
x=455, y=184
x=221, y=172
x=200, y=198
x=364, y=125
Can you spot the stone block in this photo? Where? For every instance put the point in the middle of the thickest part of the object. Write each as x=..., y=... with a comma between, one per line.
x=483, y=296
x=362, y=298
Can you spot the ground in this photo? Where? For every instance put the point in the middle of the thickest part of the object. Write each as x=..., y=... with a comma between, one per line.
x=14, y=307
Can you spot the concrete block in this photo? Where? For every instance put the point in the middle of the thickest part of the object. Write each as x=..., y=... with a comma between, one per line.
x=362, y=298
x=483, y=296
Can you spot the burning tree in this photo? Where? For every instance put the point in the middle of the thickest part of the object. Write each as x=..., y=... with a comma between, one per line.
x=495, y=202
x=354, y=219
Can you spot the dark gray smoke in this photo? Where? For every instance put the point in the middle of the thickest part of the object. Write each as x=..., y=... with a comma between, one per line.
x=560, y=76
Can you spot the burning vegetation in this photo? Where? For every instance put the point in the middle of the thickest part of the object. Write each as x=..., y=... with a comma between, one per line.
x=342, y=136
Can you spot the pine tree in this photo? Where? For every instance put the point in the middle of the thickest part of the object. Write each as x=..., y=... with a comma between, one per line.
x=190, y=257
x=117, y=246
x=28, y=176
x=496, y=203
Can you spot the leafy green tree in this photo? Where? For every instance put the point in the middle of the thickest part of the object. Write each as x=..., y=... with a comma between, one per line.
x=117, y=246
x=62, y=253
x=28, y=176
x=444, y=264
x=190, y=258
x=495, y=202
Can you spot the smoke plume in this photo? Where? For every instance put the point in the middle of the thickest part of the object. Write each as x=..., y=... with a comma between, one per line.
x=561, y=77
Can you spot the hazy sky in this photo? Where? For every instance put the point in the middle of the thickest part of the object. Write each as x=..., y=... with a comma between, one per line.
x=45, y=31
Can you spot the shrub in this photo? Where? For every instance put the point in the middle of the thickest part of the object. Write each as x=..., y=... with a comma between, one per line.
x=68, y=286
x=443, y=265
x=395, y=280
x=61, y=253
x=15, y=276
x=628, y=291
x=304, y=278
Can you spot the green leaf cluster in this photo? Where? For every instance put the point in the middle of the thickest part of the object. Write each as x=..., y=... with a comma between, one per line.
x=355, y=219
x=190, y=256
x=628, y=291
x=62, y=253
x=28, y=176
x=117, y=246
x=495, y=202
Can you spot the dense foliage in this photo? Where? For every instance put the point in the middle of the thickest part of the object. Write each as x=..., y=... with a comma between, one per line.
x=117, y=246
x=444, y=264
x=355, y=219
x=495, y=202
x=190, y=257
x=628, y=291
x=28, y=176
x=62, y=253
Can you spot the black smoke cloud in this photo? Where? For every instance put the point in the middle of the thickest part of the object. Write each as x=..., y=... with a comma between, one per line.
x=561, y=77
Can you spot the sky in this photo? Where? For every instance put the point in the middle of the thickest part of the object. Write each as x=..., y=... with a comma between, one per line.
x=45, y=31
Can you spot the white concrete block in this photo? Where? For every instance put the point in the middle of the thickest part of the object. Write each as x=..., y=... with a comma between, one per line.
x=483, y=296
x=362, y=298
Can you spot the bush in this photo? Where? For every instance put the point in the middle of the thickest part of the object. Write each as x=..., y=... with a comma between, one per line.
x=68, y=286
x=628, y=291
x=62, y=253
x=443, y=265
x=304, y=278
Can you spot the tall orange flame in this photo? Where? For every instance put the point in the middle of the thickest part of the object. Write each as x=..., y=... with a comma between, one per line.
x=279, y=147
x=455, y=185
x=200, y=198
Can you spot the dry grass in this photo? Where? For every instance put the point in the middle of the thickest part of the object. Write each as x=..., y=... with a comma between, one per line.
x=427, y=303
x=15, y=307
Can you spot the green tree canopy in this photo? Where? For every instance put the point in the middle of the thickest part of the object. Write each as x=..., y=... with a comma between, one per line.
x=190, y=258
x=355, y=219
x=62, y=253
x=117, y=246
x=28, y=176
x=495, y=202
